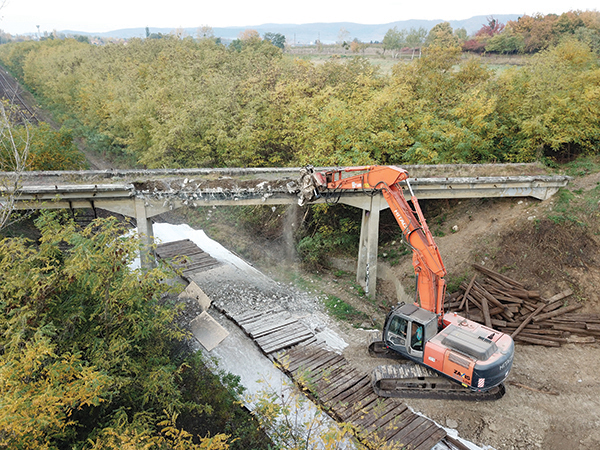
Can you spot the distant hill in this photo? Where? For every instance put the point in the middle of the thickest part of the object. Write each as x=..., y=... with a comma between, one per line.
x=308, y=33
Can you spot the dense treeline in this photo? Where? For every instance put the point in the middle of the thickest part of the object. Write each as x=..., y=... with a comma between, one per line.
x=89, y=353
x=48, y=149
x=527, y=34
x=531, y=34
x=185, y=103
x=91, y=356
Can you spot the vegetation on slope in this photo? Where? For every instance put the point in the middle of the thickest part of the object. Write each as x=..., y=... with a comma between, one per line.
x=91, y=355
x=89, y=351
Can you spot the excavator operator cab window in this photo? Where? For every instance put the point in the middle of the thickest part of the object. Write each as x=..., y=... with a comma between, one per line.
x=397, y=331
x=416, y=333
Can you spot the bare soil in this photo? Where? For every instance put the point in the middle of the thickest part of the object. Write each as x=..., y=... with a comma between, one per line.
x=512, y=236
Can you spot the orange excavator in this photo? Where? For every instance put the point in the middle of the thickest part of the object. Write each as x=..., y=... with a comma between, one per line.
x=445, y=355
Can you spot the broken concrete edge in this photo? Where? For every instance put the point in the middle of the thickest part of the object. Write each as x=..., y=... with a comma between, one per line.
x=193, y=291
x=130, y=189
x=414, y=170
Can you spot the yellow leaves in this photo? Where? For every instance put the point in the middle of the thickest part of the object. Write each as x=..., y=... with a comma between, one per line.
x=474, y=110
x=39, y=390
x=574, y=53
x=548, y=103
x=73, y=360
x=175, y=438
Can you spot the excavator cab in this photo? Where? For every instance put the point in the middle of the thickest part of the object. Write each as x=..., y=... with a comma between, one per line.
x=408, y=328
x=477, y=357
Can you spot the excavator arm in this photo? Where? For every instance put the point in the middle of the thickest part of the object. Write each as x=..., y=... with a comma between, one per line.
x=427, y=262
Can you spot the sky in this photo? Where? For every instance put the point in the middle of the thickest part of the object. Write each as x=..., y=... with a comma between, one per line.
x=23, y=16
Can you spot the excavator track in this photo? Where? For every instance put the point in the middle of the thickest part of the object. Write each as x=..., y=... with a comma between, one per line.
x=410, y=380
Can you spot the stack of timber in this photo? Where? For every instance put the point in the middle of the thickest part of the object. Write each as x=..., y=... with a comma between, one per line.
x=506, y=305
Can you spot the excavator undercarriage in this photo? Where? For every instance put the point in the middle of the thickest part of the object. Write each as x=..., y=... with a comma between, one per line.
x=410, y=380
x=406, y=379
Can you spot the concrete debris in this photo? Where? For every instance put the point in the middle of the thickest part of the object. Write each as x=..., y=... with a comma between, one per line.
x=208, y=331
x=193, y=291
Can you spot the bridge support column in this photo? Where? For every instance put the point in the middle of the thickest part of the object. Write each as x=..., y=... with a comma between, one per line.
x=366, y=271
x=144, y=228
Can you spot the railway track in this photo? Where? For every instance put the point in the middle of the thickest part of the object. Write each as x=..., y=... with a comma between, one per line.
x=11, y=91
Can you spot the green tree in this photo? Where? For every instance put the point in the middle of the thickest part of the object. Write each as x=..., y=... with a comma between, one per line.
x=449, y=117
x=442, y=35
x=181, y=103
x=416, y=37
x=568, y=23
x=277, y=39
x=393, y=41
x=590, y=37
x=549, y=109
x=461, y=34
x=53, y=150
x=506, y=42
x=87, y=342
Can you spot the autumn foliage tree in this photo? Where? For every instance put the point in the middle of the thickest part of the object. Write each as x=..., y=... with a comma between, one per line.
x=550, y=109
x=87, y=343
x=53, y=150
x=90, y=353
x=185, y=103
x=484, y=35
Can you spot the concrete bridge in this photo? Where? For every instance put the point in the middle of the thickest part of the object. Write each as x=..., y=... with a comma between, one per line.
x=144, y=194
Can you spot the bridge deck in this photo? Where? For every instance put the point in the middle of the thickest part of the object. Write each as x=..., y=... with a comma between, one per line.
x=144, y=194
x=164, y=190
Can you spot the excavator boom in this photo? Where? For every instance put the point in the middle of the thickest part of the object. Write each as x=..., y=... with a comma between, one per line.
x=427, y=262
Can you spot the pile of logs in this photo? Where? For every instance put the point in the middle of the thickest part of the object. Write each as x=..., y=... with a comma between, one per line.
x=504, y=304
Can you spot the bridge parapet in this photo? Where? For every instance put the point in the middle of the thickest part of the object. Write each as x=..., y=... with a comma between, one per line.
x=163, y=194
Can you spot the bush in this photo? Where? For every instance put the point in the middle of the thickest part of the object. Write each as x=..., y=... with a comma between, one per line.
x=90, y=350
